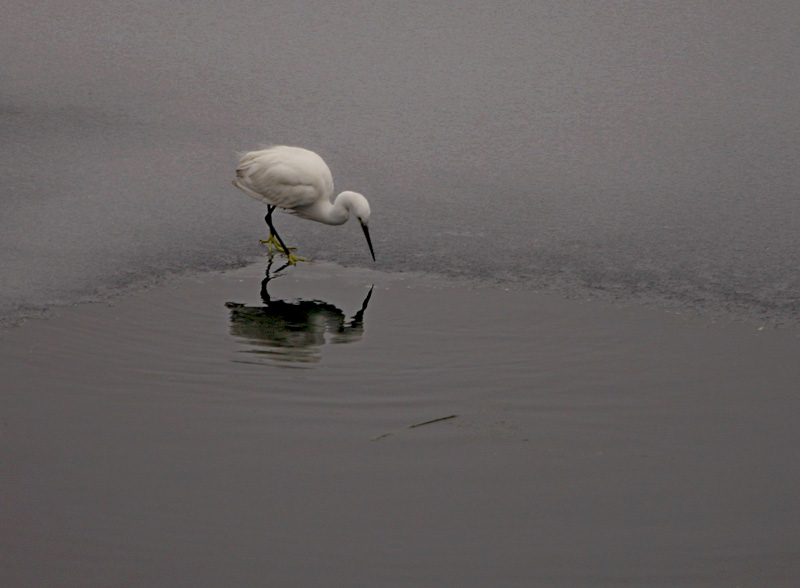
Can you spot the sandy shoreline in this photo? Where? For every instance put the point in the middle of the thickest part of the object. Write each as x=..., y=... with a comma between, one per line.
x=160, y=441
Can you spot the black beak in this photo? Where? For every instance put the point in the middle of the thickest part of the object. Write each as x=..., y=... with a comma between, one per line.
x=369, y=241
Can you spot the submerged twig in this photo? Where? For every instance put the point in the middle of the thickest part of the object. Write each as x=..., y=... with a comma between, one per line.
x=452, y=416
x=440, y=419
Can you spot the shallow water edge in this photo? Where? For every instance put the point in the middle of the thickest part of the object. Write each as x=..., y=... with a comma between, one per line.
x=393, y=429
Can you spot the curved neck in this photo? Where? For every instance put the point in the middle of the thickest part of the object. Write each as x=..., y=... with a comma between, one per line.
x=338, y=211
x=323, y=211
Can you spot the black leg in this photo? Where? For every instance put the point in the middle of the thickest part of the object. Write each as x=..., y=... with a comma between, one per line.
x=272, y=231
x=268, y=219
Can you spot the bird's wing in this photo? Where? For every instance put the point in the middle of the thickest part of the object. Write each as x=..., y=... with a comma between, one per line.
x=288, y=177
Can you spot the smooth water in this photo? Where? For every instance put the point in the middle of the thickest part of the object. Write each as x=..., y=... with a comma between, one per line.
x=450, y=436
x=616, y=149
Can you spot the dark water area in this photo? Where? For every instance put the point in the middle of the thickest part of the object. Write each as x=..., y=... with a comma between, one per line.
x=442, y=434
x=624, y=151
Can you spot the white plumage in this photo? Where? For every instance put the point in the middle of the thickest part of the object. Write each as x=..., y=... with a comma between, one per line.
x=299, y=181
x=287, y=177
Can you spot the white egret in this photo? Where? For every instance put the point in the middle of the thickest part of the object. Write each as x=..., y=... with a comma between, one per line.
x=299, y=181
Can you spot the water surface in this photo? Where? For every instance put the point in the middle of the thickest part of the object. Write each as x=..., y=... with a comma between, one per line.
x=586, y=446
x=453, y=427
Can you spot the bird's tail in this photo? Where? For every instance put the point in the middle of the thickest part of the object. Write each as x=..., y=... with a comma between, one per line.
x=247, y=190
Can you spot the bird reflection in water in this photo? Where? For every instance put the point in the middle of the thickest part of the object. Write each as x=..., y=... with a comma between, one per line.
x=291, y=334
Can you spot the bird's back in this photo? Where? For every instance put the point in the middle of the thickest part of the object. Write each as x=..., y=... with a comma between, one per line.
x=287, y=177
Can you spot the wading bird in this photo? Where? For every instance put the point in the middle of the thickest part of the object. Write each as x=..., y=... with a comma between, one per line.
x=299, y=181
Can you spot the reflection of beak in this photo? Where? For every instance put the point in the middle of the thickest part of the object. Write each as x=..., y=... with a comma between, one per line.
x=369, y=241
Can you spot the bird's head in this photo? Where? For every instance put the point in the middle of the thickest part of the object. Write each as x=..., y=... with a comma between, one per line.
x=358, y=205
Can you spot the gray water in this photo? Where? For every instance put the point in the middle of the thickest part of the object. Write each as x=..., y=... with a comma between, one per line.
x=639, y=152
x=451, y=436
x=631, y=151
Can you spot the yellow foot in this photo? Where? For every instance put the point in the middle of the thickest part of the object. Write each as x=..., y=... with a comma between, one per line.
x=272, y=242
x=293, y=259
